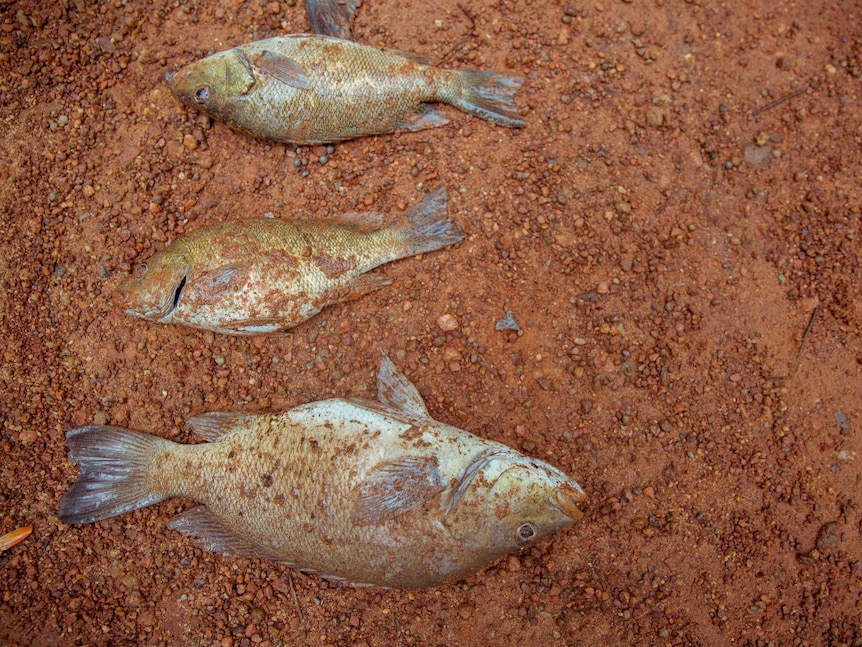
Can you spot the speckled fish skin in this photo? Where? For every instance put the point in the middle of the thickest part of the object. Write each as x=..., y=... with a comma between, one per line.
x=265, y=275
x=313, y=89
x=368, y=492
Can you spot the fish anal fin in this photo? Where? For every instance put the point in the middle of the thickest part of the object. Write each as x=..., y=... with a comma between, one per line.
x=214, y=535
x=423, y=116
x=391, y=489
x=362, y=285
x=397, y=392
x=212, y=426
x=283, y=69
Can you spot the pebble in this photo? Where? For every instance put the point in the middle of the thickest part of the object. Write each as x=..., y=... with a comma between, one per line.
x=447, y=322
x=507, y=322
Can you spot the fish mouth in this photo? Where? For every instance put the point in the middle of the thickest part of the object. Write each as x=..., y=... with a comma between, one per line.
x=565, y=499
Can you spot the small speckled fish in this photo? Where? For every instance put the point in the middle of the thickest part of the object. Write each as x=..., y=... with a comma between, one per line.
x=369, y=492
x=264, y=275
x=313, y=89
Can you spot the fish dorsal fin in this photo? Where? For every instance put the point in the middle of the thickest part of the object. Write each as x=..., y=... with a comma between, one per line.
x=332, y=17
x=212, y=426
x=413, y=57
x=361, y=221
x=397, y=392
x=283, y=69
x=391, y=489
x=214, y=535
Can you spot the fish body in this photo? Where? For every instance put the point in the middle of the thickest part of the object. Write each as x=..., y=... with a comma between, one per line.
x=313, y=89
x=368, y=492
x=265, y=275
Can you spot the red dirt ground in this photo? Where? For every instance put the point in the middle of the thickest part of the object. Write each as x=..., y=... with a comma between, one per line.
x=677, y=232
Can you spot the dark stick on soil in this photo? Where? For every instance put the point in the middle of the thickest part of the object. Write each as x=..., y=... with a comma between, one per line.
x=772, y=104
x=801, y=347
x=470, y=34
x=293, y=593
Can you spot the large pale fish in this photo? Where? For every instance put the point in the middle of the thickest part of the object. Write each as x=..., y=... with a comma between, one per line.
x=369, y=492
x=265, y=275
x=312, y=89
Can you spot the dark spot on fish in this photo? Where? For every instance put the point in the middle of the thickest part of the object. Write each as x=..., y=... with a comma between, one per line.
x=279, y=500
x=231, y=454
x=315, y=446
x=266, y=479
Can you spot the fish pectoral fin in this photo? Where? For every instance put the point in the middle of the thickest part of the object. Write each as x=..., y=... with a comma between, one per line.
x=212, y=426
x=391, y=489
x=332, y=17
x=211, y=284
x=397, y=392
x=283, y=69
x=214, y=535
x=423, y=116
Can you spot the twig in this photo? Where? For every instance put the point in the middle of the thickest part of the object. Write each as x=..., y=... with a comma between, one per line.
x=470, y=34
x=801, y=347
x=293, y=593
x=772, y=104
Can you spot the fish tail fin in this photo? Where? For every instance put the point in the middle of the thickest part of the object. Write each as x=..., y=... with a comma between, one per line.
x=488, y=95
x=427, y=227
x=115, y=474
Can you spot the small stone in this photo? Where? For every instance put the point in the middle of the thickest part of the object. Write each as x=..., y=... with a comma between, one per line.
x=623, y=207
x=843, y=423
x=603, y=287
x=465, y=611
x=100, y=418
x=447, y=322
x=654, y=117
x=27, y=436
x=89, y=191
x=761, y=138
x=649, y=492
x=190, y=142
x=507, y=322
x=513, y=564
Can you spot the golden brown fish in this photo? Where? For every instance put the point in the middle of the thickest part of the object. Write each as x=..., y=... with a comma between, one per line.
x=264, y=275
x=312, y=89
x=369, y=492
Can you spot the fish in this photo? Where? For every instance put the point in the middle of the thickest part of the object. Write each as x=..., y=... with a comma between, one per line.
x=317, y=89
x=265, y=275
x=368, y=492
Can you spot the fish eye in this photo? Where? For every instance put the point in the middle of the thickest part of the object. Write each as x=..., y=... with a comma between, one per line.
x=525, y=533
x=202, y=94
x=142, y=269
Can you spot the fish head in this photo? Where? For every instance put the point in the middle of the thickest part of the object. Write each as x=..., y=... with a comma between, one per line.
x=155, y=289
x=518, y=500
x=214, y=84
